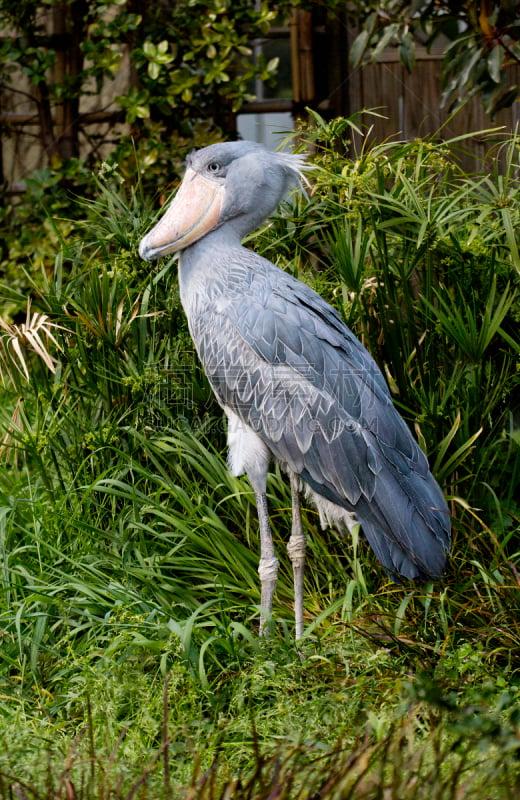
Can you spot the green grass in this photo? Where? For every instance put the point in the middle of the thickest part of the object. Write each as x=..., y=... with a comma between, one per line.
x=130, y=664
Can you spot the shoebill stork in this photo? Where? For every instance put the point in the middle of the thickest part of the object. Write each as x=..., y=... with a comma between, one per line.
x=295, y=384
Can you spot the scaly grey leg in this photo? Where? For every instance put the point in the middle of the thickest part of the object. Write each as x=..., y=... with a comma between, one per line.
x=296, y=550
x=268, y=567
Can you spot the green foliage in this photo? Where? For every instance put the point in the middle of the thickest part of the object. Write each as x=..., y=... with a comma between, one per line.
x=130, y=664
x=484, y=43
x=191, y=67
x=191, y=64
x=208, y=39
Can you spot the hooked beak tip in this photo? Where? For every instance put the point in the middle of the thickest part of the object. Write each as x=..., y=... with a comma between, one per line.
x=144, y=252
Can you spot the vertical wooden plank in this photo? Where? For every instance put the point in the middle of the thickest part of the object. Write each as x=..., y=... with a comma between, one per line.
x=388, y=99
x=302, y=59
x=422, y=99
x=377, y=87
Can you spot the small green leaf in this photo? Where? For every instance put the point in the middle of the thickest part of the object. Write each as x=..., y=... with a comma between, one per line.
x=386, y=39
x=471, y=68
x=494, y=63
x=407, y=51
x=358, y=48
x=504, y=99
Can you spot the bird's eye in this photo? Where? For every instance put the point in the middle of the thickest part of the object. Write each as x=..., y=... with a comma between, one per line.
x=214, y=167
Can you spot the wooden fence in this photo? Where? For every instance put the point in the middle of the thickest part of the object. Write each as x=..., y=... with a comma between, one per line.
x=411, y=104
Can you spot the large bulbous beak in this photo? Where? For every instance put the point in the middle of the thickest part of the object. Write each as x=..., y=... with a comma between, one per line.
x=194, y=211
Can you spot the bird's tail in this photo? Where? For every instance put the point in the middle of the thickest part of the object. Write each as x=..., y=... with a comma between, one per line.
x=406, y=523
x=409, y=531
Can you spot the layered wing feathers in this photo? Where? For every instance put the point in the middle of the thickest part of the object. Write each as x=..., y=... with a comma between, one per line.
x=283, y=360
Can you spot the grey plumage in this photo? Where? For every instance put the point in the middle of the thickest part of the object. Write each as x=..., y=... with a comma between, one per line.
x=295, y=383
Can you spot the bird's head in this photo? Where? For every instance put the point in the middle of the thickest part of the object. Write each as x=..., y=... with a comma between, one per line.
x=234, y=183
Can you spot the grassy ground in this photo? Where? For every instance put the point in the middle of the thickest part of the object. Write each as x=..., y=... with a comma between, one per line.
x=392, y=693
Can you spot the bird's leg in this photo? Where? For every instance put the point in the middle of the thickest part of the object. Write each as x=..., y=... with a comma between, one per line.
x=296, y=550
x=268, y=567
